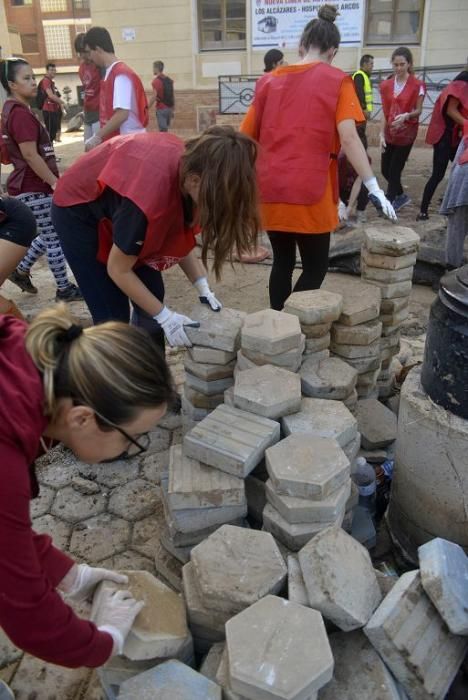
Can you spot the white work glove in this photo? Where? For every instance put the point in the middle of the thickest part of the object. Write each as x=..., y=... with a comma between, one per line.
x=116, y=614
x=92, y=142
x=400, y=120
x=81, y=580
x=379, y=200
x=205, y=294
x=382, y=142
x=342, y=211
x=173, y=326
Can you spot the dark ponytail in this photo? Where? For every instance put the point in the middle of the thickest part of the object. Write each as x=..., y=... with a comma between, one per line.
x=8, y=71
x=322, y=33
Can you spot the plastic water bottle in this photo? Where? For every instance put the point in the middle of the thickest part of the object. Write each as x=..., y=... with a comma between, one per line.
x=364, y=478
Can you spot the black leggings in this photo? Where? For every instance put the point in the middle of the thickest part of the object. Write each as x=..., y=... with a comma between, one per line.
x=443, y=153
x=313, y=249
x=393, y=161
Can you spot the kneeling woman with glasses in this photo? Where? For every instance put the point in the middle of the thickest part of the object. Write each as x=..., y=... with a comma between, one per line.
x=99, y=391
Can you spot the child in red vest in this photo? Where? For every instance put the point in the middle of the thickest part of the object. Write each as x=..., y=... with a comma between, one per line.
x=402, y=101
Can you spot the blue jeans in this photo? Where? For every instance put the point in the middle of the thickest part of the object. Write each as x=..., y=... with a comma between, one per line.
x=77, y=230
x=164, y=117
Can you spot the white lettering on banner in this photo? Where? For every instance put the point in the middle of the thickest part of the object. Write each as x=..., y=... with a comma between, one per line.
x=281, y=22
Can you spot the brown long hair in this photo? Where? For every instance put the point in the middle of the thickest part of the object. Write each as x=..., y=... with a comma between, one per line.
x=113, y=368
x=322, y=33
x=228, y=200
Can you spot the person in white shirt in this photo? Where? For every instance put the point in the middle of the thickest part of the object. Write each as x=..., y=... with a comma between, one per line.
x=123, y=104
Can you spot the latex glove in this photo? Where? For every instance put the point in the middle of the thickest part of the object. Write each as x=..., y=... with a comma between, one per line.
x=400, y=120
x=342, y=211
x=92, y=142
x=382, y=142
x=205, y=294
x=81, y=580
x=116, y=614
x=379, y=200
x=173, y=326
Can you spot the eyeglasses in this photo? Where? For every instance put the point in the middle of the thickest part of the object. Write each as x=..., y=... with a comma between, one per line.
x=135, y=447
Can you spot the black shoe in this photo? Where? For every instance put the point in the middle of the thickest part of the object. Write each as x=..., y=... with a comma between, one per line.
x=422, y=216
x=70, y=293
x=23, y=281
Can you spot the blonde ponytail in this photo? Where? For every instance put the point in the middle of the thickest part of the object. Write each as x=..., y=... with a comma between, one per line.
x=113, y=368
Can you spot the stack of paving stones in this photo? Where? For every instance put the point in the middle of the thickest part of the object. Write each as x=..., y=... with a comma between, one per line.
x=308, y=488
x=209, y=363
x=388, y=257
x=316, y=311
x=270, y=337
x=159, y=633
x=355, y=337
x=229, y=571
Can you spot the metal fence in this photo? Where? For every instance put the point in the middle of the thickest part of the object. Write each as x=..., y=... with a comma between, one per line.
x=236, y=91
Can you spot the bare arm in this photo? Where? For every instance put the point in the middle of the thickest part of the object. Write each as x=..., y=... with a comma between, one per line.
x=120, y=269
x=37, y=163
x=192, y=267
x=153, y=99
x=53, y=98
x=114, y=123
x=453, y=112
x=417, y=111
x=354, y=150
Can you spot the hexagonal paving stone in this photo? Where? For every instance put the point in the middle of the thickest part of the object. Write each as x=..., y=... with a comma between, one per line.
x=160, y=440
x=220, y=331
x=388, y=239
x=72, y=506
x=155, y=466
x=135, y=500
x=160, y=629
x=271, y=332
x=99, y=537
x=172, y=680
x=314, y=306
x=268, y=391
x=111, y=474
x=146, y=532
x=60, y=471
x=279, y=650
x=361, y=301
x=306, y=466
x=129, y=560
x=322, y=418
x=235, y=567
x=340, y=579
x=57, y=529
x=42, y=504
x=331, y=378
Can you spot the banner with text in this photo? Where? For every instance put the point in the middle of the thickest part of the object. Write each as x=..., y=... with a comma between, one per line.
x=281, y=22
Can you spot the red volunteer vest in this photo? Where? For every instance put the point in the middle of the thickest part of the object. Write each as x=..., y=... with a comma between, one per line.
x=394, y=105
x=90, y=77
x=437, y=126
x=144, y=168
x=464, y=157
x=106, y=102
x=296, y=115
x=11, y=152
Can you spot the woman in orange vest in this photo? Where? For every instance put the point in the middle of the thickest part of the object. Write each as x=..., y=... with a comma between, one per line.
x=299, y=116
x=402, y=100
x=130, y=208
x=444, y=133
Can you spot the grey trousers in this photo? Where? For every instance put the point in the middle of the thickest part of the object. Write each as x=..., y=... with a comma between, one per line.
x=457, y=229
x=164, y=117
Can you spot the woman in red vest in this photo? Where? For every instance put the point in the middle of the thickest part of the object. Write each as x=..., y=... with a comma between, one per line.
x=299, y=116
x=402, y=101
x=444, y=133
x=29, y=150
x=129, y=208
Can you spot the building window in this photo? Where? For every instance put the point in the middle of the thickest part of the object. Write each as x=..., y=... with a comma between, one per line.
x=394, y=21
x=19, y=3
x=57, y=40
x=81, y=4
x=221, y=24
x=29, y=43
x=54, y=5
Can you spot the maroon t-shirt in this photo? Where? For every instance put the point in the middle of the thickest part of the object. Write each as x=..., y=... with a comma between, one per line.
x=24, y=126
x=49, y=105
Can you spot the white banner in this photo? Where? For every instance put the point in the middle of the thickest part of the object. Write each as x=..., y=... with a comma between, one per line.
x=281, y=22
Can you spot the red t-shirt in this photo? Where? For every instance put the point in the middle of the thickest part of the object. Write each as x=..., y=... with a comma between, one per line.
x=49, y=105
x=23, y=126
x=90, y=77
x=158, y=87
